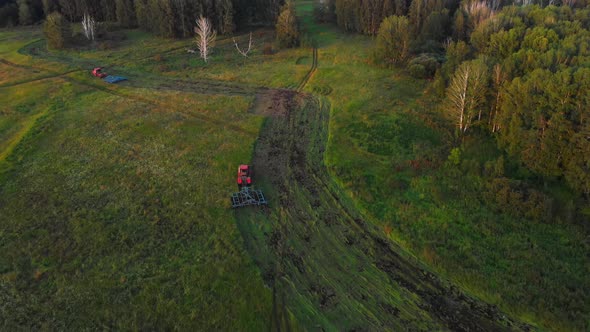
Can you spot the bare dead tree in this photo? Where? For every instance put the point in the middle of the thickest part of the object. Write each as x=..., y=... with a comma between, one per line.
x=245, y=51
x=205, y=37
x=89, y=26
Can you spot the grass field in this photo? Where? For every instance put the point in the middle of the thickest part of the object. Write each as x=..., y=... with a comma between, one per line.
x=388, y=148
x=114, y=209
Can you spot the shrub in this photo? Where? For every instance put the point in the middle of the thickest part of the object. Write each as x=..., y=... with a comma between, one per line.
x=393, y=41
x=110, y=26
x=79, y=39
x=517, y=199
x=57, y=30
x=471, y=167
x=417, y=71
x=455, y=156
x=425, y=66
x=287, y=27
x=267, y=49
x=495, y=168
x=105, y=45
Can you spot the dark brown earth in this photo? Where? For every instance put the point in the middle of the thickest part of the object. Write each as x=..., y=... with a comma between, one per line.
x=327, y=265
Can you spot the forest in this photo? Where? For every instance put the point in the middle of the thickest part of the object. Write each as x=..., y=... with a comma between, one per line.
x=519, y=74
x=168, y=18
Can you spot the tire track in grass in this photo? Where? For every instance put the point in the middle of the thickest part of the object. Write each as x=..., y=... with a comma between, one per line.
x=327, y=265
x=28, y=124
x=164, y=105
x=198, y=86
x=203, y=87
x=50, y=74
x=312, y=70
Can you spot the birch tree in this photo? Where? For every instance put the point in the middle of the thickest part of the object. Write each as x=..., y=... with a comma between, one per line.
x=89, y=26
x=466, y=93
x=205, y=37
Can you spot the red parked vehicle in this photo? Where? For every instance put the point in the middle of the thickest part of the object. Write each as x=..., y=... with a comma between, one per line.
x=97, y=72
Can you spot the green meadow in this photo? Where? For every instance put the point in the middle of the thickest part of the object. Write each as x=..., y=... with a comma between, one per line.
x=115, y=211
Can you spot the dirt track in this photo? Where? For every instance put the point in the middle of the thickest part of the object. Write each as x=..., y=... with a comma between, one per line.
x=319, y=253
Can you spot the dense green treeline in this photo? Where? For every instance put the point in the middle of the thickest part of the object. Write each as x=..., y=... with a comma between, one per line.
x=535, y=88
x=365, y=16
x=168, y=18
x=485, y=177
x=521, y=74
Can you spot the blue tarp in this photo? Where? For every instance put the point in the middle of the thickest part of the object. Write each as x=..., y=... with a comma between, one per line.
x=114, y=79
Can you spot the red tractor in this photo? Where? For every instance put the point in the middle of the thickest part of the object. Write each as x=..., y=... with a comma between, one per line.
x=244, y=176
x=97, y=72
x=247, y=195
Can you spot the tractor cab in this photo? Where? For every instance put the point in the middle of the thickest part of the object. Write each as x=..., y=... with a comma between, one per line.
x=247, y=195
x=244, y=176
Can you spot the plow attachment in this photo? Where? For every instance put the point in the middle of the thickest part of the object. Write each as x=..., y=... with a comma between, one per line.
x=246, y=197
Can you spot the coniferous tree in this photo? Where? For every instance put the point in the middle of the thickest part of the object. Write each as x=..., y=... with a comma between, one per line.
x=205, y=37
x=167, y=27
x=68, y=8
x=8, y=15
x=125, y=13
x=459, y=27
x=181, y=8
x=50, y=6
x=225, y=16
x=108, y=10
x=142, y=14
